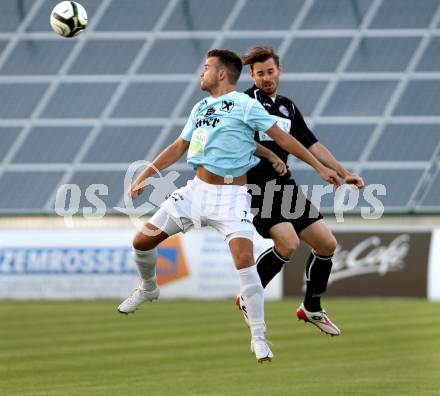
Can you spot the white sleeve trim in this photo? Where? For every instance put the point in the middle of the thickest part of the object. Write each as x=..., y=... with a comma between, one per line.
x=248, y=109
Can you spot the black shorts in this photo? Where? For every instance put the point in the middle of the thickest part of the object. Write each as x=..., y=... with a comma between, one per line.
x=295, y=208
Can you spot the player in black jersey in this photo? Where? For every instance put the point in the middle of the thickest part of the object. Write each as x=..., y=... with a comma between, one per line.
x=310, y=226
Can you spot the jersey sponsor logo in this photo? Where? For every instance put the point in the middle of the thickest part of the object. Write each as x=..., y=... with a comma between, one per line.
x=212, y=122
x=283, y=123
x=227, y=105
x=283, y=111
x=267, y=104
x=210, y=111
x=198, y=142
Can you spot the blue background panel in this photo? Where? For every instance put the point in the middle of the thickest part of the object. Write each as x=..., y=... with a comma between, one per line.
x=30, y=191
x=51, y=145
x=79, y=100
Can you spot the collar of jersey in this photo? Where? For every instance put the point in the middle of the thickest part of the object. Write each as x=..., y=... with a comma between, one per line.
x=218, y=97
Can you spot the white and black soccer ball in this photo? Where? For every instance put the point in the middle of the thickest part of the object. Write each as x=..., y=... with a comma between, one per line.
x=68, y=19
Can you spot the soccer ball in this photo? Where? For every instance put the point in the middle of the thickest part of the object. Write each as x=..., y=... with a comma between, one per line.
x=68, y=18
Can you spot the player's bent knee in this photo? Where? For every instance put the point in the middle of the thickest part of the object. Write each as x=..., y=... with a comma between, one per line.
x=327, y=247
x=286, y=247
x=148, y=238
x=331, y=245
x=139, y=242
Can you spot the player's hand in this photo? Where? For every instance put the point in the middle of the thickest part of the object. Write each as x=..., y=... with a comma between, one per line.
x=355, y=181
x=330, y=176
x=137, y=188
x=278, y=164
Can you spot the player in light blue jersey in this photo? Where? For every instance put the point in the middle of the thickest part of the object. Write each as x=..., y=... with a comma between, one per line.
x=219, y=138
x=221, y=135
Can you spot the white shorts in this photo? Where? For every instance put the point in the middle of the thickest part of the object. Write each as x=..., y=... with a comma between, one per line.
x=226, y=208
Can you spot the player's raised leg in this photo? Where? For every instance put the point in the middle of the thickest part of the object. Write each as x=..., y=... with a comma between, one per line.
x=319, y=237
x=160, y=227
x=252, y=293
x=145, y=257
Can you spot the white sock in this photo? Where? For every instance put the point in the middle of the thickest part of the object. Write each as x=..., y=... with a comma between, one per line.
x=252, y=293
x=146, y=265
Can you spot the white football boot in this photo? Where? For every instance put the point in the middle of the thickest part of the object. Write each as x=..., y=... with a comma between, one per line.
x=136, y=298
x=261, y=349
x=320, y=319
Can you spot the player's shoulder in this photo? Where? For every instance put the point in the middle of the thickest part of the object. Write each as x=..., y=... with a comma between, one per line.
x=241, y=96
x=237, y=99
x=283, y=98
x=253, y=92
x=199, y=105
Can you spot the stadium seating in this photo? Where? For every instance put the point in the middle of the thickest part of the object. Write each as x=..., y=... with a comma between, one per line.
x=365, y=74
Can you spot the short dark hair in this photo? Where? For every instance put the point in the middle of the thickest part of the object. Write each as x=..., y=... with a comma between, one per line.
x=260, y=53
x=230, y=60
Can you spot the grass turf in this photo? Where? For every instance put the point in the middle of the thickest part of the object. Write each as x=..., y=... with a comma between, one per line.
x=388, y=347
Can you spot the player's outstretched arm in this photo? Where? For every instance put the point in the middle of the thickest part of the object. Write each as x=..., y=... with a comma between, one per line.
x=166, y=158
x=276, y=162
x=292, y=146
x=324, y=155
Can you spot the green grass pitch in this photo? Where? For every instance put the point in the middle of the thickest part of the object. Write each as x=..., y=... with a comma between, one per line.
x=388, y=347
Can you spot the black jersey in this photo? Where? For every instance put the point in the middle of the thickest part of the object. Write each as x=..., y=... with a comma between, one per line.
x=290, y=120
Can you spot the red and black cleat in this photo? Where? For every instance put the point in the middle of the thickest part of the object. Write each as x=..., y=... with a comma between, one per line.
x=320, y=319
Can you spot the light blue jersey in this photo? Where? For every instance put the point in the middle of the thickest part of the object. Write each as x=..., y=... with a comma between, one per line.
x=221, y=131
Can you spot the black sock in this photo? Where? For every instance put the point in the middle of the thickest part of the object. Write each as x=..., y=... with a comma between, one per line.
x=318, y=270
x=269, y=263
